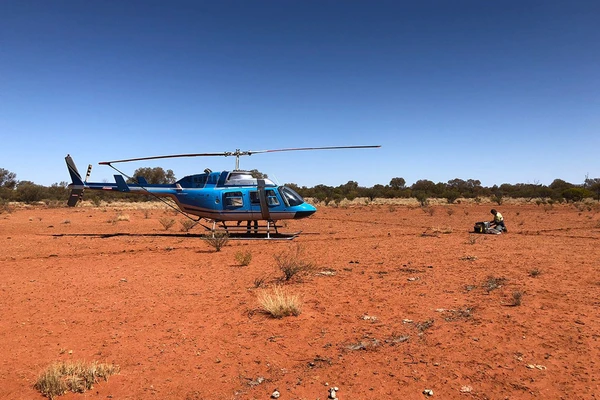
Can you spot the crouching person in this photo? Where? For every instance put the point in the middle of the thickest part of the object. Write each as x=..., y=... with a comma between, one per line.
x=498, y=221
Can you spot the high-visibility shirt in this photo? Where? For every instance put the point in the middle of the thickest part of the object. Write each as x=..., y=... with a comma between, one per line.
x=498, y=217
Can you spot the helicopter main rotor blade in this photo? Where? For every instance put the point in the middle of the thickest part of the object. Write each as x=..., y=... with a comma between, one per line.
x=224, y=154
x=236, y=153
x=313, y=148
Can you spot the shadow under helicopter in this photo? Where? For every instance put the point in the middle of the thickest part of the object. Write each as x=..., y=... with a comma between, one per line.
x=232, y=236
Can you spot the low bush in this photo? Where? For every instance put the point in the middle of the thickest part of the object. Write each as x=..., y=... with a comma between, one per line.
x=293, y=263
x=217, y=240
x=187, y=224
x=167, y=223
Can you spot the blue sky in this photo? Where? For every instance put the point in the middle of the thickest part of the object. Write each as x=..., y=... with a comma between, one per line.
x=503, y=92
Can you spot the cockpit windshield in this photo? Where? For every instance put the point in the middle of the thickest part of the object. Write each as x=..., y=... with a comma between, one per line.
x=290, y=197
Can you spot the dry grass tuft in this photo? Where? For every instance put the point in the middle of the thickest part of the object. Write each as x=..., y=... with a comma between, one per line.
x=493, y=283
x=472, y=239
x=446, y=230
x=73, y=376
x=517, y=297
x=279, y=303
x=243, y=258
x=123, y=217
x=535, y=273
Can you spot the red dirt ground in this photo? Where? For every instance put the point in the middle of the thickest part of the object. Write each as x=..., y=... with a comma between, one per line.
x=181, y=320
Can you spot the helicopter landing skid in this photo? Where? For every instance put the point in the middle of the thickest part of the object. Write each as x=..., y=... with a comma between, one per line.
x=252, y=230
x=259, y=236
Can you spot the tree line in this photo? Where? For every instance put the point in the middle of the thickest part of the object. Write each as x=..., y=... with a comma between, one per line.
x=559, y=190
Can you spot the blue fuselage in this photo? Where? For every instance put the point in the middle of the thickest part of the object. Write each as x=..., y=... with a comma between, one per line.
x=222, y=196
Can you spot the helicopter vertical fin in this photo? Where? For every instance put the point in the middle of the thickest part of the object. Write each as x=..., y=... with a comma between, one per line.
x=75, y=176
x=262, y=197
x=77, y=185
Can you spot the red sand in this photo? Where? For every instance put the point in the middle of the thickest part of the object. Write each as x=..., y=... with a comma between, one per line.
x=182, y=321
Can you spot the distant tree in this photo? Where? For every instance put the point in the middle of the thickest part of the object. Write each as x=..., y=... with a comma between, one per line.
x=155, y=175
x=8, y=180
x=348, y=190
x=559, y=185
x=576, y=194
x=593, y=185
x=29, y=192
x=424, y=185
x=398, y=183
x=421, y=196
x=58, y=191
x=451, y=195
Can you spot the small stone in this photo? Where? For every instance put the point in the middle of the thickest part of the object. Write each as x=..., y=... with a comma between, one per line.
x=332, y=393
x=428, y=392
x=275, y=394
x=466, y=389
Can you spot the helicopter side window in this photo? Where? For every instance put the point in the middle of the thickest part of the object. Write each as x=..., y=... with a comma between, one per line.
x=272, y=198
x=233, y=199
x=199, y=181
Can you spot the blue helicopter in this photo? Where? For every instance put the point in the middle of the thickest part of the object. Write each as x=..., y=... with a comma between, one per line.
x=222, y=198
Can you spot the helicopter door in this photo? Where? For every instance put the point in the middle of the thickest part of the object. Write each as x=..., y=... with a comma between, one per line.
x=262, y=200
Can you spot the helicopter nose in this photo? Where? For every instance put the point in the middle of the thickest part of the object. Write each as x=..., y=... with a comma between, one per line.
x=306, y=211
x=303, y=214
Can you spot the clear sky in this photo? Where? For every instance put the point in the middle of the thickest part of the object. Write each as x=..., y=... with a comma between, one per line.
x=500, y=91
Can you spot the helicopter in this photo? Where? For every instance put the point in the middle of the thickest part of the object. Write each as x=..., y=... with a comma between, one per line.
x=225, y=198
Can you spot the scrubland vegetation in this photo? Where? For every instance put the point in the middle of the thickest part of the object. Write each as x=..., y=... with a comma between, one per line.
x=12, y=190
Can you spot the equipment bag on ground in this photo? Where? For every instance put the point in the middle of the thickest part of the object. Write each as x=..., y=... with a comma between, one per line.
x=481, y=227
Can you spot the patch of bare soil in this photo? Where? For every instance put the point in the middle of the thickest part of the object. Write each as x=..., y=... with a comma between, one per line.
x=402, y=300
